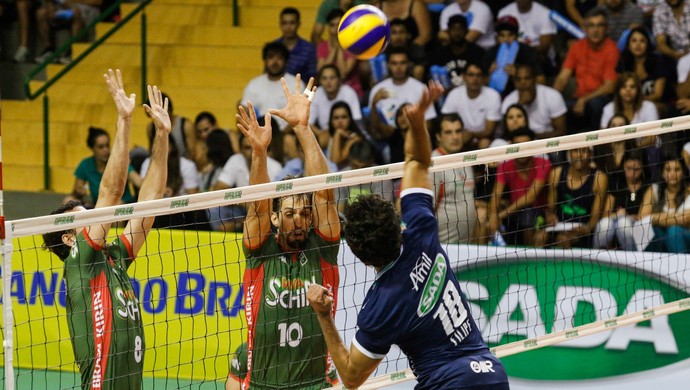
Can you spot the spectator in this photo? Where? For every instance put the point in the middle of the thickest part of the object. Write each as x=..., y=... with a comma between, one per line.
x=477, y=105
x=183, y=132
x=344, y=133
x=21, y=11
x=329, y=52
x=453, y=189
x=415, y=16
x=515, y=117
x=182, y=178
x=666, y=204
x=670, y=25
x=218, y=151
x=575, y=197
x=545, y=107
x=683, y=87
x=623, y=201
x=537, y=30
x=458, y=53
x=362, y=155
x=401, y=37
x=592, y=60
x=576, y=9
x=76, y=14
x=389, y=94
x=330, y=91
x=525, y=180
x=322, y=15
x=506, y=35
x=394, y=150
x=204, y=123
x=302, y=58
x=609, y=157
x=629, y=101
x=622, y=15
x=481, y=25
x=89, y=172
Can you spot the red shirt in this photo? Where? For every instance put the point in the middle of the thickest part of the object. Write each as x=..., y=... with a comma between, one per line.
x=518, y=185
x=591, y=67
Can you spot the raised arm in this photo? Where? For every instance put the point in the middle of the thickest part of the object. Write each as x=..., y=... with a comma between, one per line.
x=417, y=143
x=296, y=114
x=115, y=175
x=257, y=224
x=153, y=185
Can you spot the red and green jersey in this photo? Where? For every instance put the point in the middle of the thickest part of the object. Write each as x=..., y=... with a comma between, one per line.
x=286, y=348
x=103, y=314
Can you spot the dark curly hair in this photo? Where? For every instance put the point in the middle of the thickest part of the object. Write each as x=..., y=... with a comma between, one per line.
x=53, y=241
x=372, y=230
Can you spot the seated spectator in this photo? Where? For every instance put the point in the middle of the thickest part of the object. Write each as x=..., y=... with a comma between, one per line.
x=577, y=9
x=609, y=157
x=515, y=117
x=329, y=52
x=592, y=61
x=622, y=15
x=506, y=35
x=388, y=95
x=401, y=37
x=481, y=25
x=183, y=178
x=330, y=91
x=302, y=58
x=344, y=133
x=218, y=151
x=453, y=189
x=362, y=155
x=325, y=8
x=89, y=172
x=545, y=107
x=525, y=180
x=394, y=150
x=623, y=201
x=629, y=101
x=477, y=105
x=651, y=68
x=204, y=124
x=183, y=132
x=458, y=53
x=670, y=25
x=76, y=14
x=537, y=30
x=294, y=167
x=575, y=197
x=683, y=87
x=413, y=13
x=666, y=203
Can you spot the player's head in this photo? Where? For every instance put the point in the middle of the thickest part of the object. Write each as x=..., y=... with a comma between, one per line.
x=275, y=56
x=449, y=133
x=61, y=242
x=98, y=141
x=372, y=230
x=292, y=217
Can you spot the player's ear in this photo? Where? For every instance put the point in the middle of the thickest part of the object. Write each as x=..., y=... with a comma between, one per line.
x=68, y=239
x=274, y=219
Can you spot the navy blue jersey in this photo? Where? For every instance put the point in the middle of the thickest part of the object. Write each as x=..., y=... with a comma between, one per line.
x=416, y=304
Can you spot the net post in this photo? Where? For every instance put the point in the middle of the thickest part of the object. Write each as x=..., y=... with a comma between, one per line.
x=7, y=309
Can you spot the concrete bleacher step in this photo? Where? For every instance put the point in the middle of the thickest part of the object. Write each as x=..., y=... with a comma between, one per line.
x=191, y=35
x=158, y=14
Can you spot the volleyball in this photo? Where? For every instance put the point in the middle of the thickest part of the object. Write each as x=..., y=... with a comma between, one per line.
x=364, y=31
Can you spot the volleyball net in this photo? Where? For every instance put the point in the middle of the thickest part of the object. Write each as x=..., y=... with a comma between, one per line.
x=540, y=285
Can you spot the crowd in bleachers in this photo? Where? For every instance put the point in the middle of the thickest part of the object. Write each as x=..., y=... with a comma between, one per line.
x=513, y=71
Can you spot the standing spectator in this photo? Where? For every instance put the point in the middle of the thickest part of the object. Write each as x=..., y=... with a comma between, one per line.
x=413, y=13
x=525, y=180
x=544, y=105
x=683, y=87
x=330, y=91
x=76, y=14
x=575, y=197
x=322, y=15
x=536, y=28
x=453, y=189
x=592, y=60
x=670, y=25
x=481, y=23
x=622, y=15
x=302, y=58
x=477, y=105
x=458, y=53
x=389, y=94
x=329, y=52
x=7, y=15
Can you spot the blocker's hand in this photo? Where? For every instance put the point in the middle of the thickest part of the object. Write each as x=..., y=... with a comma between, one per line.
x=321, y=299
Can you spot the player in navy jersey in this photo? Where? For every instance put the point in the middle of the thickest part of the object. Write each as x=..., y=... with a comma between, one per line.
x=415, y=301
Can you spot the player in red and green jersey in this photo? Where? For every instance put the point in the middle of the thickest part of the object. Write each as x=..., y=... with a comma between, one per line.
x=103, y=314
x=285, y=346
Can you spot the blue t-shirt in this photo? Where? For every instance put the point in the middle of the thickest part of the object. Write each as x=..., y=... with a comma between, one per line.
x=88, y=171
x=416, y=304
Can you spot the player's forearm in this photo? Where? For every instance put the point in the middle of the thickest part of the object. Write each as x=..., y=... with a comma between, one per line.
x=153, y=185
x=417, y=143
x=339, y=353
x=115, y=175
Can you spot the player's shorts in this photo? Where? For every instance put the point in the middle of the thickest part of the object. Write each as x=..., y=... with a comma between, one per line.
x=476, y=372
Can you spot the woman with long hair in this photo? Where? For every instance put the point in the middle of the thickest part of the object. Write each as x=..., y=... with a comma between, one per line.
x=344, y=133
x=514, y=118
x=629, y=101
x=639, y=57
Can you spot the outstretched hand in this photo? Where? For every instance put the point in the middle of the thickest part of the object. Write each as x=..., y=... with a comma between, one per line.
x=320, y=298
x=296, y=112
x=125, y=105
x=259, y=136
x=158, y=110
x=415, y=112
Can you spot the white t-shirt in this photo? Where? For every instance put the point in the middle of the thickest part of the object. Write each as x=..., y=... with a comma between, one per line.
x=268, y=94
x=474, y=112
x=533, y=24
x=547, y=105
x=479, y=18
x=408, y=92
x=235, y=173
x=321, y=106
x=683, y=68
x=454, y=198
x=190, y=176
x=646, y=113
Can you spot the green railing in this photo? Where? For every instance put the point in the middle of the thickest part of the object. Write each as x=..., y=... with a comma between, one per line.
x=76, y=60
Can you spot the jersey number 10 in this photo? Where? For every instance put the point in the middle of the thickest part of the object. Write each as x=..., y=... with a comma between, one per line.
x=290, y=334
